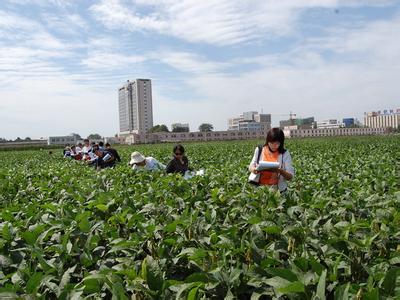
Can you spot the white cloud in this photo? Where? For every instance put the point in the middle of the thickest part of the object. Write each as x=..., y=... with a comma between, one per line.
x=65, y=23
x=190, y=62
x=361, y=77
x=55, y=105
x=218, y=22
x=111, y=60
x=59, y=3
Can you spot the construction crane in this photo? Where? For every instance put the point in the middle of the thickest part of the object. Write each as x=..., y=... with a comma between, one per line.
x=291, y=115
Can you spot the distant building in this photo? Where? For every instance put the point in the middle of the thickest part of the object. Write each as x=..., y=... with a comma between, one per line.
x=114, y=140
x=194, y=136
x=23, y=144
x=250, y=121
x=135, y=107
x=298, y=133
x=181, y=127
x=348, y=122
x=331, y=123
x=62, y=140
x=175, y=137
x=383, y=119
x=299, y=123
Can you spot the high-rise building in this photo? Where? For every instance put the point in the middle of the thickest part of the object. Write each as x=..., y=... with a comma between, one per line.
x=135, y=107
x=383, y=119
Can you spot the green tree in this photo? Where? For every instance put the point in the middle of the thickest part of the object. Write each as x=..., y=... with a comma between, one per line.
x=76, y=135
x=206, y=127
x=180, y=129
x=159, y=128
x=94, y=136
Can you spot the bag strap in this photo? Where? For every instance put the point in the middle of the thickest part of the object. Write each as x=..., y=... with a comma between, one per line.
x=259, y=152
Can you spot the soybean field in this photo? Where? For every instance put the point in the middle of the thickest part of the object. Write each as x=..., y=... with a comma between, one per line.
x=68, y=231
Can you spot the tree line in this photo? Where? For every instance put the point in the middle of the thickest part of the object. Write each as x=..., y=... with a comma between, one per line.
x=204, y=127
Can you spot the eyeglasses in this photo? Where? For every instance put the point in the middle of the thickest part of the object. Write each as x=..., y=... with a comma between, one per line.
x=178, y=153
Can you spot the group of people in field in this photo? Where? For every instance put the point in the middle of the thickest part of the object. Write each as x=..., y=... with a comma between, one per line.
x=99, y=155
x=273, y=150
x=104, y=156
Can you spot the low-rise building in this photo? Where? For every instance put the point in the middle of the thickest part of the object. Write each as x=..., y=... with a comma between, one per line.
x=334, y=132
x=331, y=123
x=176, y=137
x=62, y=140
x=299, y=123
x=250, y=121
x=383, y=119
x=23, y=144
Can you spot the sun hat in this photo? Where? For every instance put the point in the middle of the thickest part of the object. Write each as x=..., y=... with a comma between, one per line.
x=136, y=158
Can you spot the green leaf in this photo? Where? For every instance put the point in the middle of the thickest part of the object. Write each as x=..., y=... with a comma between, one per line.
x=6, y=232
x=372, y=294
x=8, y=296
x=284, y=273
x=152, y=273
x=102, y=207
x=389, y=283
x=197, y=277
x=193, y=293
x=34, y=282
x=293, y=287
x=321, y=286
x=118, y=292
x=395, y=260
x=84, y=225
x=272, y=229
x=181, y=289
x=66, y=277
x=342, y=292
x=171, y=227
x=254, y=220
x=284, y=286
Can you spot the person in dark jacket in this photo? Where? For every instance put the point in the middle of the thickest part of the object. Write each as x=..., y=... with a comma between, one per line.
x=179, y=163
x=113, y=152
x=104, y=158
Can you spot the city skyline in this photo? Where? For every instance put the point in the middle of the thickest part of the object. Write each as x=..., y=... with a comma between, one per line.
x=62, y=62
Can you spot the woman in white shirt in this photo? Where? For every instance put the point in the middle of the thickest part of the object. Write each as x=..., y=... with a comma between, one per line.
x=273, y=151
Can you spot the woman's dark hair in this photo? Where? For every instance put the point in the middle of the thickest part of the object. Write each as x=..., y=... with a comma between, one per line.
x=180, y=148
x=276, y=135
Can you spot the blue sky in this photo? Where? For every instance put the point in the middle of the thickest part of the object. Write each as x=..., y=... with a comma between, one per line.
x=62, y=62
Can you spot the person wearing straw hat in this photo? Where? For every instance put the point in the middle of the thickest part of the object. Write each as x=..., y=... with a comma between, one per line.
x=140, y=162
